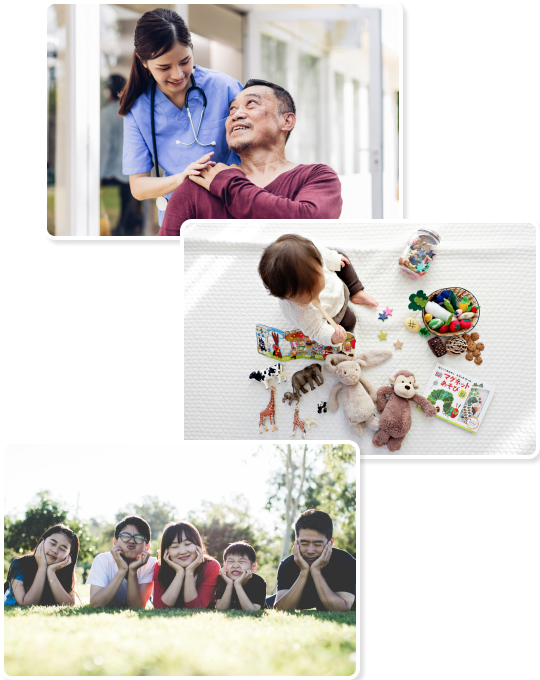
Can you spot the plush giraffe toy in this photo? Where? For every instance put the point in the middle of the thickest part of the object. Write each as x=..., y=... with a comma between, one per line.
x=298, y=423
x=269, y=412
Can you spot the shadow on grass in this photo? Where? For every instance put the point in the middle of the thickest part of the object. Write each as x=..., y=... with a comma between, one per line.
x=346, y=618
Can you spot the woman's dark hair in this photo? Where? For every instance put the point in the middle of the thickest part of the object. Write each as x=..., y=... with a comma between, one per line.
x=142, y=526
x=290, y=266
x=178, y=530
x=28, y=563
x=155, y=34
x=116, y=84
x=317, y=520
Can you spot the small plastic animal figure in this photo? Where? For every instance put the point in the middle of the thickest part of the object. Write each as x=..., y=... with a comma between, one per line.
x=310, y=374
x=274, y=371
x=309, y=422
x=269, y=412
x=290, y=396
x=298, y=423
x=322, y=407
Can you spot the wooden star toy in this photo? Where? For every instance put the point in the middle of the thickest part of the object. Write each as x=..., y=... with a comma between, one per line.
x=398, y=344
x=382, y=335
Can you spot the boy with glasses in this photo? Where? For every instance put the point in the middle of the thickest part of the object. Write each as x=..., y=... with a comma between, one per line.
x=123, y=577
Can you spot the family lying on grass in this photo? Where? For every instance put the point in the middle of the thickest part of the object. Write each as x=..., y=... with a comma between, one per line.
x=316, y=575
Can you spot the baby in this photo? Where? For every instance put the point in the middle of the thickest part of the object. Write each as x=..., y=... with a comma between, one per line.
x=296, y=271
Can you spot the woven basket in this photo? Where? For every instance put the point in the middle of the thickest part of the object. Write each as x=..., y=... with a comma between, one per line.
x=460, y=294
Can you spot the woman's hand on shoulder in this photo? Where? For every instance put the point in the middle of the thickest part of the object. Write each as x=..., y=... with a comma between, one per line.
x=196, y=167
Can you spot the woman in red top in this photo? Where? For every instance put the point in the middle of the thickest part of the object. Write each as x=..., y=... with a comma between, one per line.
x=186, y=576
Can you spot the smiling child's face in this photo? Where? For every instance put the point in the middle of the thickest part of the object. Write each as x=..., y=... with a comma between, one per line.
x=236, y=564
x=183, y=552
x=305, y=299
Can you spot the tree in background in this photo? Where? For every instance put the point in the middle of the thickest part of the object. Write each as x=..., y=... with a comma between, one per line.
x=21, y=536
x=222, y=523
x=297, y=487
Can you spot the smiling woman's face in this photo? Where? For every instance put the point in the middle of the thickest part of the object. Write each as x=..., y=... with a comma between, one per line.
x=56, y=548
x=172, y=70
x=183, y=552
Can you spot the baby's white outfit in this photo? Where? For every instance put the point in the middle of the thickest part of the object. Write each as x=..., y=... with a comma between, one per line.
x=310, y=319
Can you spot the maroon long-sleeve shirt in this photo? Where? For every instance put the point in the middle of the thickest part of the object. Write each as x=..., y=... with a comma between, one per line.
x=305, y=192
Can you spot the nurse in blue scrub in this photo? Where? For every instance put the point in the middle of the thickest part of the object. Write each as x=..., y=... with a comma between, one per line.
x=164, y=54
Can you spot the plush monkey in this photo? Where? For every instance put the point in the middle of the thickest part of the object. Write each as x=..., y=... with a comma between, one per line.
x=395, y=421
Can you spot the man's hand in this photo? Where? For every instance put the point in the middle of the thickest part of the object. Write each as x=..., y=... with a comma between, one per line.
x=242, y=580
x=323, y=558
x=225, y=577
x=208, y=174
x=60, y=565
x=300, y=561
x=339, y=336
x=116, y=552
x=199, y=560
x=139, y=561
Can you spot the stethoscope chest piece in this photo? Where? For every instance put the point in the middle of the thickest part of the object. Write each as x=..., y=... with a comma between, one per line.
x=161, y=203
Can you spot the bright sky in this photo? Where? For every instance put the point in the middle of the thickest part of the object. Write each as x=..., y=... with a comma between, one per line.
x=102, y=480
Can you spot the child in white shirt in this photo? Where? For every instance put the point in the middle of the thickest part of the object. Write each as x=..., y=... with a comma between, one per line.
x=296, y=271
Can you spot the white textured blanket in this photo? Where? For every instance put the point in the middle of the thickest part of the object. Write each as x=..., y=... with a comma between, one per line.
x=225, y=299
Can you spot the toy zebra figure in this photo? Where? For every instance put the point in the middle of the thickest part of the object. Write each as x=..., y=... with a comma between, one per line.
x=298, y=423
x=269, y=412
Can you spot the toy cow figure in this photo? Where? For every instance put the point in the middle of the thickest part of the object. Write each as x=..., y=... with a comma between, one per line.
x=395, y=421
x=274, y=371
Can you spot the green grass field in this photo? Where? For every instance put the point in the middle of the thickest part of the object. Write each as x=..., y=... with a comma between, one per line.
x=84, y=641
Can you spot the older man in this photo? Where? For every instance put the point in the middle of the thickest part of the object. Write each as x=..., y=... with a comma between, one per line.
x=265, y=185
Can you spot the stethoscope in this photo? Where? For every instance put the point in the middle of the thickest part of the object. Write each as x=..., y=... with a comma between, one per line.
x=161, y=202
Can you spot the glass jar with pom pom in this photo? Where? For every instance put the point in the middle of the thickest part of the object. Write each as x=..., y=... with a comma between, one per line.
x=419, y=253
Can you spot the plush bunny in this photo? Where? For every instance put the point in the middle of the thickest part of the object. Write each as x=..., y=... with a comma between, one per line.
x=359, y=394
x=395, y=421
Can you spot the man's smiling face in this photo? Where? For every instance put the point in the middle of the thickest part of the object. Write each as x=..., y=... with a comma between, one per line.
x=253, y=119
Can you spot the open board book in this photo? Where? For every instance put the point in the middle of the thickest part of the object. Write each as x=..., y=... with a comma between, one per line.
x=459, y=400
x=289, y=345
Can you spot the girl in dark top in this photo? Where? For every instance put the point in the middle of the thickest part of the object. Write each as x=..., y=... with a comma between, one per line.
x=186, y=575
x=46, y=576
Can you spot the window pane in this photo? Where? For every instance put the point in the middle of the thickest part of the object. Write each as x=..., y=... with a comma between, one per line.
x=308, y=108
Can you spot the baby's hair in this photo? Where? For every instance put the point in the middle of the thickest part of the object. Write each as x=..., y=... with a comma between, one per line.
x=290, y=266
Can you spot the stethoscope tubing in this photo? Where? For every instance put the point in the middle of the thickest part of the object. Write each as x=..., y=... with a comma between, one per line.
x=194, y=87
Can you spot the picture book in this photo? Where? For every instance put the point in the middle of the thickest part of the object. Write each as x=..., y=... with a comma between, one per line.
x=289, y=345
x=459, y=400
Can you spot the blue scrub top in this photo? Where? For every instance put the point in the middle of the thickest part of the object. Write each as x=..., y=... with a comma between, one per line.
x=172, y=124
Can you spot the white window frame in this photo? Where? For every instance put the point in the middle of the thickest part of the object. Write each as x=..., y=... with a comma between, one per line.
x=252, y=69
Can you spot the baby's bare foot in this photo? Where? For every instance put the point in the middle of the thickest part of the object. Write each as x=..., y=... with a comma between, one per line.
x=362, y=298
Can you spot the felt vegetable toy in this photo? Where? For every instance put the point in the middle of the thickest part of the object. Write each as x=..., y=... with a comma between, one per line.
x=411, y=324
x=424, y=332
x=418, y=300
x=396, y=421
x=448, y=306
x=465, y=324
x=427, y=318
x=443, y=329
x=359, y=394
x=454, y=326
x=439, y=299
x=435, y=324
x=437, y=311
x=453, y=300
x=464, y=304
